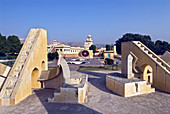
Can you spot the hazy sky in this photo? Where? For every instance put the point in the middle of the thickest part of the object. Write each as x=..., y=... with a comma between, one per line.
x=73, y=20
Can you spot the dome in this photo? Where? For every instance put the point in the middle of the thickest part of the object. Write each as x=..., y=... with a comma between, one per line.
x=89, y=36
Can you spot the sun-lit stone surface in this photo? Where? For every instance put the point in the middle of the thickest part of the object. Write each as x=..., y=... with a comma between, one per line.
x=26, y=70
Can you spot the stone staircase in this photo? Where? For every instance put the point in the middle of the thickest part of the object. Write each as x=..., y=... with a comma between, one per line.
x=14, y=75
x=73, y=92
x=153, y=56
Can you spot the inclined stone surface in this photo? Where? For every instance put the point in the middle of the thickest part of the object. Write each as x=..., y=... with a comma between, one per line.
x=121, y=78
x=99, y=100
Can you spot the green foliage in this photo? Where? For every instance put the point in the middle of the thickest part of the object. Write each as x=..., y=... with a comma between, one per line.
x=52, y=56
x=14, y=44
x=93, y=47
x=109, y=61
x=10, y=45
x=161, y=47
x=158, y=47
x=108, y=47
x=2, y=45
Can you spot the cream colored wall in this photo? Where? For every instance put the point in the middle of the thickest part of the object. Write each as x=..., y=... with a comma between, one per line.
x=114, y=49
x=115, y=86
x=125, y=50
x=128, y=89
x=2, y=68
x=37, y=55
x=143, y=88
x=82, y=92
x=160, y=75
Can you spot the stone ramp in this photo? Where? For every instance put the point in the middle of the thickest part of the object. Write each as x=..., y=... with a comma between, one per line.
x=148, y=62
x=153, y=56
x=52, y=78
x=56, y=77
x=18, y=83
x=50, y=74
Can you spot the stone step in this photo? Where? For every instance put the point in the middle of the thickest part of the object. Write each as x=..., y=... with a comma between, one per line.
x=57, y=92
x=16, y=74
x=29, y=45
x=152, y=89
x=19, y=70
x=139, y=45
x=155, y=59
x=146, y=51
x=159, y=62
x=24, y=56
x=32, y=40
x=24, y=53
x=164, y=67
x=6, y=97
x=14, y=79
x=10, y=87
x=150, y=55
x=19, y=67
x=27, y=50
x=21, y=63
x=142, y=48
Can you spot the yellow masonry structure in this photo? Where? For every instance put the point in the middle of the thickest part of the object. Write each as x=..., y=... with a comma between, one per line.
x=24, y=74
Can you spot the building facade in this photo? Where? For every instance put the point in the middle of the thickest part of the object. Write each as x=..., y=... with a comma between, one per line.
x=70, y=52
x=110, y=54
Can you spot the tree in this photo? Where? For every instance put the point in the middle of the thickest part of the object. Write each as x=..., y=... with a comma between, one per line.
x=2, y=45
x=109, y=61
x=107, y=47
x=161, y=47
x=93, y=47
x=14, y=44
x=52, y=56
x=158, y=47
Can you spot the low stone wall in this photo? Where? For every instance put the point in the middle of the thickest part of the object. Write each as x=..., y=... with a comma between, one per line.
x=127, y=87
x=115, y=86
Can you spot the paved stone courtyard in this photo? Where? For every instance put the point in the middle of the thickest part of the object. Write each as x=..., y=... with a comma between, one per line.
x=99, y=100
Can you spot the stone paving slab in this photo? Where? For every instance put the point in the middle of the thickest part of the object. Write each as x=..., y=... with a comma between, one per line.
x=99, y=100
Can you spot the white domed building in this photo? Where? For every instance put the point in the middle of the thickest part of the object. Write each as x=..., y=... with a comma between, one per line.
x=88, y=42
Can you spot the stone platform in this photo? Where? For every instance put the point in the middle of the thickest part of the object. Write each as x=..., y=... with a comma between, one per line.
x=73, y=92
x=127, y=87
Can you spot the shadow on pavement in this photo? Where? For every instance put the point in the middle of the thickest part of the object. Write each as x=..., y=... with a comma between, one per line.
x=61, y=108
x=99, y=80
